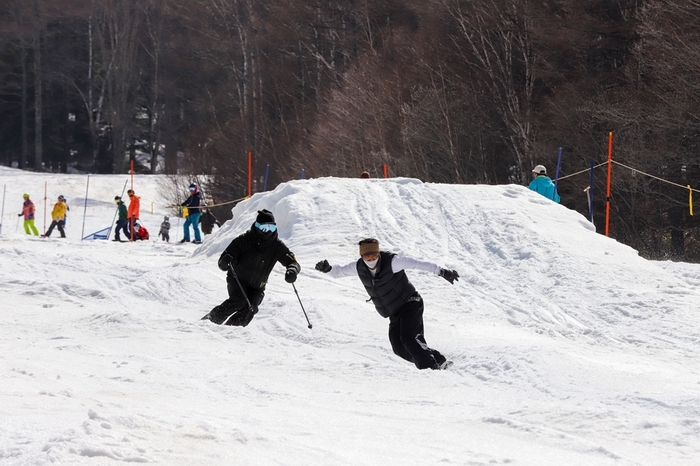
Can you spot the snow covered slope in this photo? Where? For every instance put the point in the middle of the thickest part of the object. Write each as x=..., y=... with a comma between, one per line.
x=568, y=347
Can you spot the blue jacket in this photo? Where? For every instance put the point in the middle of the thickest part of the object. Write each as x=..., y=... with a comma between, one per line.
x=543, y=185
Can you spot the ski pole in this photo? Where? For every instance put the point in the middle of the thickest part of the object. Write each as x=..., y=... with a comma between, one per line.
x=302, y=306
x=250, y=306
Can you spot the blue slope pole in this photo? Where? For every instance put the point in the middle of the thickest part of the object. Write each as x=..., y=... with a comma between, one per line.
x=556, y=176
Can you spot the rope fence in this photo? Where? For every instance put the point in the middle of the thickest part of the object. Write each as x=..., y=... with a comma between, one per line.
x=588, y=170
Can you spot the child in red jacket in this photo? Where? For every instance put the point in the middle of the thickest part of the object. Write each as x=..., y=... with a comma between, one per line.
x=140, y=232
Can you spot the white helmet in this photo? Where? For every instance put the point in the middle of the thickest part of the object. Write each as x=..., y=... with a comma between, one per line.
x=540, y=170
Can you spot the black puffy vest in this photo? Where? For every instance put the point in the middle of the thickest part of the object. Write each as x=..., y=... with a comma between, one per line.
x=389, y=291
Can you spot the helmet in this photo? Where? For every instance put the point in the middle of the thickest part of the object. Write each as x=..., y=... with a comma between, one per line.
x=25, y=195
x=166, y=218
x=193, y=188
x=117, y=198
x=540, y=170
x=61, y=198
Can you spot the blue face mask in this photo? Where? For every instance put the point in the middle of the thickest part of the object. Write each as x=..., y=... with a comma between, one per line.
x=266, y=227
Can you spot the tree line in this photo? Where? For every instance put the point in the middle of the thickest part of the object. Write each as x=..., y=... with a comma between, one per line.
x=449, y=91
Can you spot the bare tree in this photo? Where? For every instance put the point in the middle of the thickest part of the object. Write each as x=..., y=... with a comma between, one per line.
x=495, y=37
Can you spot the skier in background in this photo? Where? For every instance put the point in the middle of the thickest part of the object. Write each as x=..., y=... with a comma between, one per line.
x=134, y=211
x=28, y=211
x=384, y=277
x=165, y=229
x=140, y=232
x=58, y=214
x=208, y=221
x=193, y=212
x=542, y=184
x=122, y=221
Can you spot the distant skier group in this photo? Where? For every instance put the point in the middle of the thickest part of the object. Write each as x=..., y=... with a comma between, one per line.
x=129, y=223
x=128, y=219
x=129, y=226
x=58, y=217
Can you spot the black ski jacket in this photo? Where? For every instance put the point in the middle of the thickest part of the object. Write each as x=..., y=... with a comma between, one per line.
x=254, y=257
x=192, y=203
x=389, y=291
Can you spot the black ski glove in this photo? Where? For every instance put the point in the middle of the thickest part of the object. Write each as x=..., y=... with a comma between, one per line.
x=323, y=266
x=225, y=260
x=290, y=276
x=450, y=275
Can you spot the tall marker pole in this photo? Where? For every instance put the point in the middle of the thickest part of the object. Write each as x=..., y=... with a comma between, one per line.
x=4, y=187
x=556, y=176
x=87, y=189
x=607, y=194
x=46, y=201
x=590, y=192
x=250, y=173
x=132, y=220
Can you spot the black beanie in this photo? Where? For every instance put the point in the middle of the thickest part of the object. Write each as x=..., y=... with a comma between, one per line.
x=265, y=216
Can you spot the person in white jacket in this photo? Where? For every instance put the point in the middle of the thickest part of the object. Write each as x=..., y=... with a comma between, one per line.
x=382, y=274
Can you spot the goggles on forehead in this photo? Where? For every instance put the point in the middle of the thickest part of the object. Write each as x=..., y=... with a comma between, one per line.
x=266, y=227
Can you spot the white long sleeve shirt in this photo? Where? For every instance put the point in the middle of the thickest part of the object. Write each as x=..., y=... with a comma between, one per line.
x=398, y=263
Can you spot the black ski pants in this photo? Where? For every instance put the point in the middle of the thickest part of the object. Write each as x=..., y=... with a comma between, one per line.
x=236, y=307
x=56, y=224
x=123, y=226
x=407, y=339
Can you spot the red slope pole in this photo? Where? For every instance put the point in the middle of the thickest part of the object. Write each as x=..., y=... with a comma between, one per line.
x=607, y=194
x=132, y=220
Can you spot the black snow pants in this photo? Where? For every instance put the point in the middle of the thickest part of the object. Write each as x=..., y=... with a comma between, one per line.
x=236, y=305
x=407, y=339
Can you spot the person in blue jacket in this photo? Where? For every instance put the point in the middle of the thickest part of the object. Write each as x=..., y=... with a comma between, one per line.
x=542, y=184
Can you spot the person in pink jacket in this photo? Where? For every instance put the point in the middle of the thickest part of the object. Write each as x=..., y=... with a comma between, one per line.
x=28, y=212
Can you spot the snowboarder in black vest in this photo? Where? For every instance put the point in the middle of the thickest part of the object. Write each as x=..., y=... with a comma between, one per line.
x=382, y=274
x=252, y=256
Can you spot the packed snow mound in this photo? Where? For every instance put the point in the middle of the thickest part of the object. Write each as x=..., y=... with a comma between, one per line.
x=501, y=239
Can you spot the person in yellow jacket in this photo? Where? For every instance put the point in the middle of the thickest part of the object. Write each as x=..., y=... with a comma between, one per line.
x=58, y=214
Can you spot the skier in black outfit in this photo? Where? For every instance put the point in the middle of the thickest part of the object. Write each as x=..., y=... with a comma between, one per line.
x=252, y=255
x=208, y=220
x=382, y=274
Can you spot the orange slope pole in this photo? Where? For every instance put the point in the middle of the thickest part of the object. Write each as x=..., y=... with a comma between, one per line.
x=607, y=194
